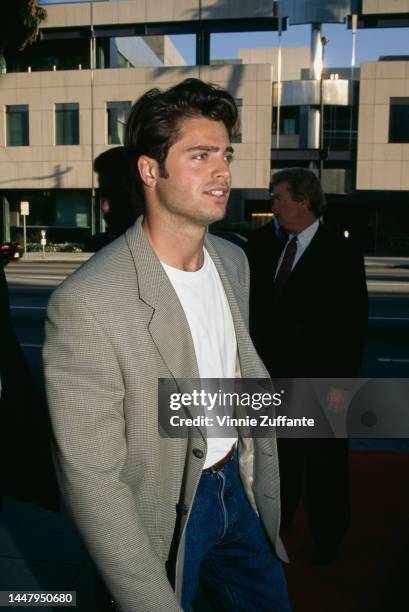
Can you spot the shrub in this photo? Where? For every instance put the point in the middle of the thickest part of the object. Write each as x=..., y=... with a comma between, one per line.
x=65, y=247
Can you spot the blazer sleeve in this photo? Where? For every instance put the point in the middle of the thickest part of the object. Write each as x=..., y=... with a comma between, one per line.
x=85, y=392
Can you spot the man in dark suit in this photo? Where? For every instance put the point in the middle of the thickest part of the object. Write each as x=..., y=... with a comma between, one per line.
x=309, y=315
x=26, y=471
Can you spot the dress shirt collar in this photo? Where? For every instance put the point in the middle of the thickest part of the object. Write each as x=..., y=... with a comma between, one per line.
x=303, y=241
x=305, y=237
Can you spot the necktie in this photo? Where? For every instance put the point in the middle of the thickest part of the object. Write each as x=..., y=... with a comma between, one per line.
x=284, y=270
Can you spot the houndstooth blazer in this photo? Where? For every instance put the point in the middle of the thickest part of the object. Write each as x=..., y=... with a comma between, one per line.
x=114, y=327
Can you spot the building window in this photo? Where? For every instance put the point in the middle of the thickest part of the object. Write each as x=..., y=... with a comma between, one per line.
x=122, y=61
x=17, y=125
x=340, y=127
x=289, y=120
x=236, y=134
x=117, y=114
x=399, y=120
x=289, y=126
x=67, y=124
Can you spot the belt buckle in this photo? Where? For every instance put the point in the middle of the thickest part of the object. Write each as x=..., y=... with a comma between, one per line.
x=219, y=465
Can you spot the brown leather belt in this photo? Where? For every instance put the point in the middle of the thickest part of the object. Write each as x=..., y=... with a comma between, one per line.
x=220, y=464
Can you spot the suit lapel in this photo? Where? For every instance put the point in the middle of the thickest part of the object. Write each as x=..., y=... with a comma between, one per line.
x=309, y=255
x=311, y=252
x=157, y=291
x=168, y=325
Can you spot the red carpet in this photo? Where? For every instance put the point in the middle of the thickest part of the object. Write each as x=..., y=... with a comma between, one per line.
x=372, y=573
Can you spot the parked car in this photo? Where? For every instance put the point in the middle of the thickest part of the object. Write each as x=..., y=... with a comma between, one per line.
x=9, y=251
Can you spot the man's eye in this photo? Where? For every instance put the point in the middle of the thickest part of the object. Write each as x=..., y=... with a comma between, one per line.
x=201, y=156
x=229, y=158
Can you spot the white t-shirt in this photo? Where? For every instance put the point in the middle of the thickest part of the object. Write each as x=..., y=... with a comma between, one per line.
x=207, y=311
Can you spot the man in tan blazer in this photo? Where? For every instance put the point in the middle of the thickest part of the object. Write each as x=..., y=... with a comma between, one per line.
x=165, y=300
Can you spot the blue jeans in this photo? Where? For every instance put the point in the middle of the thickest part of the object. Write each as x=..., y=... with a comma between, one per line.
x=226, y=548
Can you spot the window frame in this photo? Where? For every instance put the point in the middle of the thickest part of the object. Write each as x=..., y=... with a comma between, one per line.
x=76, y=107
x=397, y=135
x=26, y=128
x=109, y=106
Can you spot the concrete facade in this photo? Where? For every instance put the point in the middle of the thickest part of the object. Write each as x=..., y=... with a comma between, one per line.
x=139, y=11
x=352, y=155
x=60, y=178
x=44, y=165
x=383, y=7
x=381, y=165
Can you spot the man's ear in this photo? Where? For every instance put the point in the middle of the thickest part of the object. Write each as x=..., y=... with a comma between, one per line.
x=148, y=170
x=305, y=203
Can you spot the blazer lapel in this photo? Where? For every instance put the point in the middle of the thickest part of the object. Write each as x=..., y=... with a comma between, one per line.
x=168, y=325
x=155, y=289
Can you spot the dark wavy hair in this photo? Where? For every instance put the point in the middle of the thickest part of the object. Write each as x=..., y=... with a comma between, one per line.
x=155, y=120
x=302, y=184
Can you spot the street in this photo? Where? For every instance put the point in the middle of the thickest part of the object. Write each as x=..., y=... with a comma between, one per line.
x=30, y=286
x=40, y=550
x=387, y=347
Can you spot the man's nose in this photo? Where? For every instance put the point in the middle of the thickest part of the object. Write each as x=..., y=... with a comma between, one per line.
x=222, y=168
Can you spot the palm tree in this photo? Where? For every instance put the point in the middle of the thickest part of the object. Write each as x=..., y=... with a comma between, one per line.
x=19, y=25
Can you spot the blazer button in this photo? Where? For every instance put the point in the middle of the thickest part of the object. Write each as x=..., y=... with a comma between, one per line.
x=198, y=453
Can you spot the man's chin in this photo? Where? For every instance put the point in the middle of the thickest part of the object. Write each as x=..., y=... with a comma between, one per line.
x=207, y=217
x=216, y=215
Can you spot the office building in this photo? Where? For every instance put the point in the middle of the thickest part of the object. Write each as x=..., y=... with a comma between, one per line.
x=65, y=100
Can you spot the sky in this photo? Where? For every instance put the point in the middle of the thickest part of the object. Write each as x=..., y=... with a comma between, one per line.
x=370, y=44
